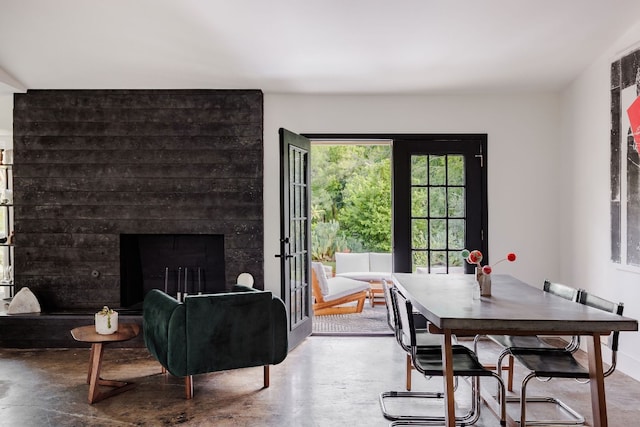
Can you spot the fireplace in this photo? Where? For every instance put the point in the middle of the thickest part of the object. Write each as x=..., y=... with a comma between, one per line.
x=176, y=263
x=134, y=162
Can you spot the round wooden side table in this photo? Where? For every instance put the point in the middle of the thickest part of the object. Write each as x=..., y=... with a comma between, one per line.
x=88, y=334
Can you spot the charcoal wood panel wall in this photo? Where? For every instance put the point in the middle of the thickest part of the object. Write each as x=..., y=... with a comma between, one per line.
x=92, y=164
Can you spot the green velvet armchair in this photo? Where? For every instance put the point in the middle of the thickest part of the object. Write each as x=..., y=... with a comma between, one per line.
x=215, y=332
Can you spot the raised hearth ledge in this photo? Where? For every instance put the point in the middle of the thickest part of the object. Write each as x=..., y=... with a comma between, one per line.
x=52, y=330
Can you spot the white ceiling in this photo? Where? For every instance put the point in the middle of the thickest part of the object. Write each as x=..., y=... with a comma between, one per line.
x=306, y=46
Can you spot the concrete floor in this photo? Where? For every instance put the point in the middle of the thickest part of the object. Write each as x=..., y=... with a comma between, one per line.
x=326, y=381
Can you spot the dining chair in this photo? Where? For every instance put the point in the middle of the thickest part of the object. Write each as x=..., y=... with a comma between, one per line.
x=548, y=363
x=428, y=361
x=511, y=341
x=423, y=336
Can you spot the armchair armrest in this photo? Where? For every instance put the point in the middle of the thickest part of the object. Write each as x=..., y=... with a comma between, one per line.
x=164, y=330
x=280, y=330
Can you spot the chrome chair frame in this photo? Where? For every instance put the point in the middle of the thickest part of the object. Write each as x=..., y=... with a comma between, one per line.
x=424, y=338
x=428, y=340
x=428, y=361
x=538, y=360
x=508, y=341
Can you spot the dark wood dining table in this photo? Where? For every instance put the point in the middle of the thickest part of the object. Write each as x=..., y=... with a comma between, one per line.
x=514, y=308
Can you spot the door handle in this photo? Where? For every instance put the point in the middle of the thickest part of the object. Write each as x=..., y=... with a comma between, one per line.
x=284, y=241
x=286, y=256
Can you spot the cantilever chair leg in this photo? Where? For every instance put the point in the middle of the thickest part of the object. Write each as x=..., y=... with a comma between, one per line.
x=409, y=370
x=577, y=419
x=508, y=368
x=470, y=418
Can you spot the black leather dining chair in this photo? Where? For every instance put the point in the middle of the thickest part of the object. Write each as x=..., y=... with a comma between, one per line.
x=423, y=336
x=526, y=341
x=428, y=361
x=548, y=363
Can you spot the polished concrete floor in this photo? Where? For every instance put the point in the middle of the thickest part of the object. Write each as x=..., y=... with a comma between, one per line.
x=326, y=381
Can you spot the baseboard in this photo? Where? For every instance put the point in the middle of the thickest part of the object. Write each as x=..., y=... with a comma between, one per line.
x=629, y=365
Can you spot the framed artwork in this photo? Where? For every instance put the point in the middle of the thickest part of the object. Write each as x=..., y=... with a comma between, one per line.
x=625, y=159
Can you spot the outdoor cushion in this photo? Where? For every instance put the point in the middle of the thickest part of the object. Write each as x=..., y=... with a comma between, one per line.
x=365, y=266
x=380, y=262
x=342, y=286
x=322, y=277
x=347, y=262
x=367, y=276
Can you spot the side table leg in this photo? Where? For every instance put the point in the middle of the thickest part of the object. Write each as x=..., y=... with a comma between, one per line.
x=97, y=349
x=90, y=364
x=117, y=387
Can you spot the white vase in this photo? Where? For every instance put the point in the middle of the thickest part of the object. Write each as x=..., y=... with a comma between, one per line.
x=484, y=282
x=106, y=326
x=485, y=285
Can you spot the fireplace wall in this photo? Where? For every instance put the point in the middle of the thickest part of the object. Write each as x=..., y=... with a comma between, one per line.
x=90, y=165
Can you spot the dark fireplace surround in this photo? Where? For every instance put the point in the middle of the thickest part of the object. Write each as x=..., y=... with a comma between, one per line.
x=96, y=171
x=179, y=264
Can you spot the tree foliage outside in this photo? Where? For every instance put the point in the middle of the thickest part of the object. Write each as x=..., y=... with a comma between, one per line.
x=351, y=203
x=437, y=192
x=351, y=199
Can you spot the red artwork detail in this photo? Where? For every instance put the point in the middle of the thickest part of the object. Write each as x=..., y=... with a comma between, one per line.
x=634, y=119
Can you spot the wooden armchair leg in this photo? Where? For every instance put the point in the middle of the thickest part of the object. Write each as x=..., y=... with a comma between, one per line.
x=409, y=369
x=510, y=374
x=188, y=386
x=266, y=376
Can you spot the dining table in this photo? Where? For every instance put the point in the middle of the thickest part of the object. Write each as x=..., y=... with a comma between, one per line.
x=513, y=308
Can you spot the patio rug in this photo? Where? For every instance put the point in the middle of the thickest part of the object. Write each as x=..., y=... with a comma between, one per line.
x=372, y=321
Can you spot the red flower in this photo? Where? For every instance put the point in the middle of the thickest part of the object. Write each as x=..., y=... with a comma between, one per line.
x=475, y=257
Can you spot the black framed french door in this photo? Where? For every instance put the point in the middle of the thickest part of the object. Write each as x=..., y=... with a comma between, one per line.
x=439, y=201
x=295, y=233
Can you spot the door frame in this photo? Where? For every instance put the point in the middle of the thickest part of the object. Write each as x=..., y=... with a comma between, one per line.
x=400, y=264
x=474, y=148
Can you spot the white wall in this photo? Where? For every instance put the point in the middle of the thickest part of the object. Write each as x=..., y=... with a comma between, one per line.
x=6, y=121
x=584, y=154
x=523, y=138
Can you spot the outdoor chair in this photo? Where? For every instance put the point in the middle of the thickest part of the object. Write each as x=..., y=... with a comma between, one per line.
x=428, y=361
x=547, y=363
x=336, y=295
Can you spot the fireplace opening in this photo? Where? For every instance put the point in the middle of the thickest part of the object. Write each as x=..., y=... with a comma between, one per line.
x=176, y=263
